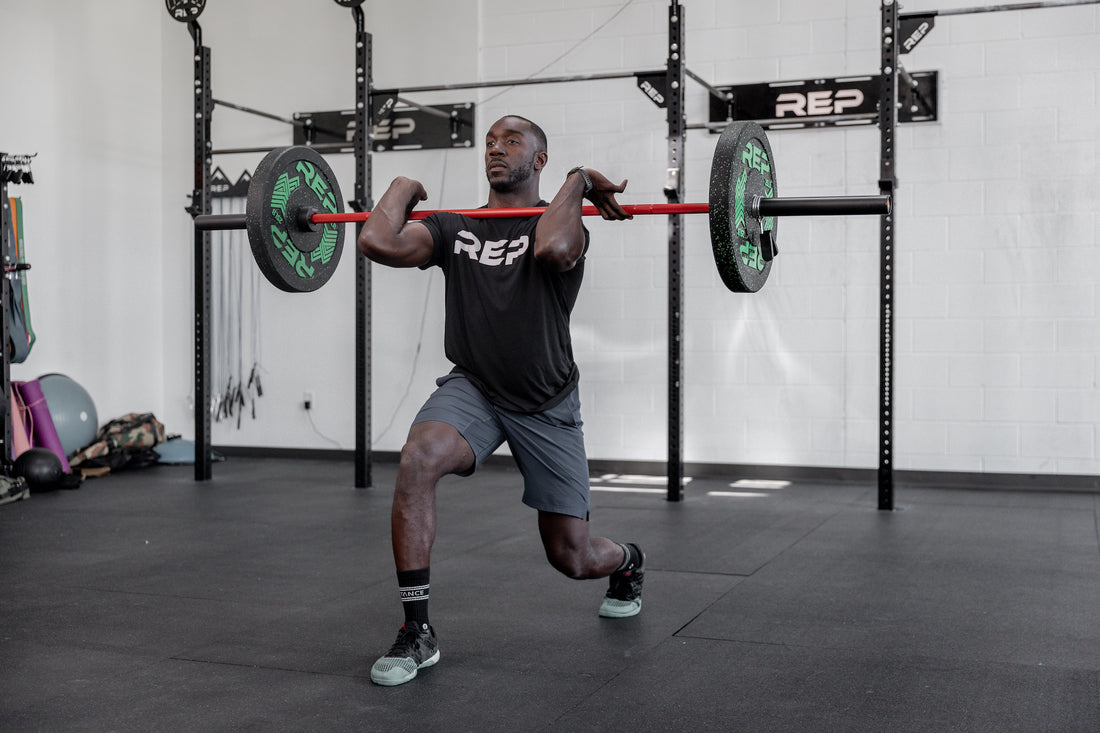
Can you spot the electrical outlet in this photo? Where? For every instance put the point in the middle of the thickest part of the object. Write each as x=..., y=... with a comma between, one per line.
x=307, y=400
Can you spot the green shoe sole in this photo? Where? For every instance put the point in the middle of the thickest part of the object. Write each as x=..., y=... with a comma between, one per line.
x=391, y=671
x=612, y=608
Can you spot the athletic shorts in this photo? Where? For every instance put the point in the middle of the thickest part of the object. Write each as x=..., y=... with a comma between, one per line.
x=548, y=446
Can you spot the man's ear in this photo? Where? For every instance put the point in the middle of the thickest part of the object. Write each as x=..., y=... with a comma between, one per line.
x=540, y=160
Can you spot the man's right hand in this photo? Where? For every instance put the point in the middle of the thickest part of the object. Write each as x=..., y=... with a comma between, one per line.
x=415, y=192
x=388, y=237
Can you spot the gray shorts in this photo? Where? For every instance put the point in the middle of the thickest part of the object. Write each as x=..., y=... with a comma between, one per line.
x=548, y=446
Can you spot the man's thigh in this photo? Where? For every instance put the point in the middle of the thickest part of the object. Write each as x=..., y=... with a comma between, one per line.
x=549, y=450
x=461, y=405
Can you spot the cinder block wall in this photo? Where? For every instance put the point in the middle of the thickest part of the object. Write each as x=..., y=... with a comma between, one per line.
x=999, y=347
x=997, y=337
x=996, y=252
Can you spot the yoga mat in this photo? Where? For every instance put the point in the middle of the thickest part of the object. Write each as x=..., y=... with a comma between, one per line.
x=20, y=439
x=45, y=435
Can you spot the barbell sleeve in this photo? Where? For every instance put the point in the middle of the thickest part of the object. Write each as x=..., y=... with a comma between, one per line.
x=822, y=206
x=217, y=222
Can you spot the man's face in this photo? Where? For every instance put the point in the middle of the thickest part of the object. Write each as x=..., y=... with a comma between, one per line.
x=511, y=154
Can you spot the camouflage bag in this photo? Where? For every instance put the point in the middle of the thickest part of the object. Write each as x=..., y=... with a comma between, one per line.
x=128, y=435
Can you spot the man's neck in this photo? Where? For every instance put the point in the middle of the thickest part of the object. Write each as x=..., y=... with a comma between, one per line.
x=528, y=196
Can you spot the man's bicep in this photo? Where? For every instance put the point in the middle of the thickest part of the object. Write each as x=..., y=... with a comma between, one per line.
x=413, y=246
x=419, y=243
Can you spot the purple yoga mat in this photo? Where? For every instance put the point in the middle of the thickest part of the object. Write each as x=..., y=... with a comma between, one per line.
x=45, y=435
x=20, y=440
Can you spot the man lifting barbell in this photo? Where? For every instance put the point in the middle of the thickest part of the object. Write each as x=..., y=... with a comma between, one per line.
x=510, y=288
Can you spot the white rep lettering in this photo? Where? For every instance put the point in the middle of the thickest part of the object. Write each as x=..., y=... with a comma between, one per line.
x=515, y=249
x=471, y=247
x=494, y=252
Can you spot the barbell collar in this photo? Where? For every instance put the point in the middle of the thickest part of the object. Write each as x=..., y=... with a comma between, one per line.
x=304, y=219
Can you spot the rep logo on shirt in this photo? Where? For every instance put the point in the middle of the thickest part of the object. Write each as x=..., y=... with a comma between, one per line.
x=491, y=253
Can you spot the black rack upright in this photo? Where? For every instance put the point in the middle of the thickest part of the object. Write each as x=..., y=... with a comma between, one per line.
x=200, y=204
x=887, y=123
x=362, y=202
x=674, y=193
x=5, y=335
x=19, y=165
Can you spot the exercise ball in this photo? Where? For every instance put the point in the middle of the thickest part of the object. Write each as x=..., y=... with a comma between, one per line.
x=72, y=411
x=41, y=468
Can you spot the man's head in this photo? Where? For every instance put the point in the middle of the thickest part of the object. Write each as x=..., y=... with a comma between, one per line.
x=515, y=153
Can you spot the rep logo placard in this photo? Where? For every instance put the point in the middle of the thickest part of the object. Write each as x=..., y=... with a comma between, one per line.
x=817, y=103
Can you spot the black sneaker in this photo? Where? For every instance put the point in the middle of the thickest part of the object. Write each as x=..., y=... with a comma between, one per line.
x=413, y=650
x=624, y=593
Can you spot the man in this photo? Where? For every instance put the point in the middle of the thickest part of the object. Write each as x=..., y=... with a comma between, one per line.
x=511, y=284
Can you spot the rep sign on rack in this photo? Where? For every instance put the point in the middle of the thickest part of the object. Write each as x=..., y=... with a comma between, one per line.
x=849, y=100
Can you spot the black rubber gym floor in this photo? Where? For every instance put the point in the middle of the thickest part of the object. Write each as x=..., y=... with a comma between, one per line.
x=258, y=601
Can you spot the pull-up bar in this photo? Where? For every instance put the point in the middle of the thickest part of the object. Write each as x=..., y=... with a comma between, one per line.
x=914, y=27
x=320, y=147
x=547, y=80
x=259, y=113
x=516, y=82
x=267, y=115
x=1000, y=8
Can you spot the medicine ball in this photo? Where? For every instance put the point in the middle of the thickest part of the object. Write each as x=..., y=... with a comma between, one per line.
x=41, y=468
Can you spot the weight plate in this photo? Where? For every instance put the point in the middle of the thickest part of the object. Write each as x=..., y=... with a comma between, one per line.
x=185, y=10
x=294, y=256
x=742, y=169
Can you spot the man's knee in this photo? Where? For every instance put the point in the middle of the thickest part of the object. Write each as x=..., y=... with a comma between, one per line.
x=433, y=451
x=568, y=547
x=423, y=460
x=569, y=561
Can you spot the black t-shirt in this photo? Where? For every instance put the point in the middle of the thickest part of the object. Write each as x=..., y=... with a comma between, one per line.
x=507, y=316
